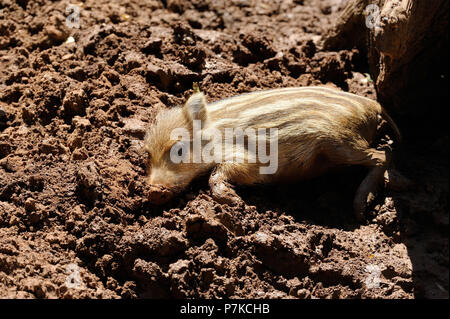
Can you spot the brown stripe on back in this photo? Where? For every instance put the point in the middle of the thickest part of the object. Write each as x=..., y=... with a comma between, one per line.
x=236, y=105
x=293, y=112
x=233, y=108
x=300, y=112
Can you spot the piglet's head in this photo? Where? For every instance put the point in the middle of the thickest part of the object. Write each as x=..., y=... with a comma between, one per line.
x=169, y=145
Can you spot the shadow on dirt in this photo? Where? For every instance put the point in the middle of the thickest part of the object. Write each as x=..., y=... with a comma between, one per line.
x=325, y=201
x=417, y=217
x=423, y=215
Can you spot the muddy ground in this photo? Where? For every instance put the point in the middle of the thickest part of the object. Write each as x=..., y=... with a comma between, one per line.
x=75, y=221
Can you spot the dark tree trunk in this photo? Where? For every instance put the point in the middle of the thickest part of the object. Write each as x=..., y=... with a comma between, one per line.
x=407, y=49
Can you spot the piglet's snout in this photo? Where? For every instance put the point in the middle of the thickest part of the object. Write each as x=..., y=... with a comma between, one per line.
x=161, y=177
x=159, y=194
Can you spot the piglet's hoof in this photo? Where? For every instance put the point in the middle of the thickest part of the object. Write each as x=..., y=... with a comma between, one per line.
x=159, y=195
x=395, y=181
x=360, y=204
x=228, y=197
x=230, y=201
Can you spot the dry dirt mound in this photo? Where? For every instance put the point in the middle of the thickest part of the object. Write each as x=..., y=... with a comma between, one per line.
x=75, y=221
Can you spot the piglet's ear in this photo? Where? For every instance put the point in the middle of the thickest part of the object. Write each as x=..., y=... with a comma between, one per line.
x=195, y=107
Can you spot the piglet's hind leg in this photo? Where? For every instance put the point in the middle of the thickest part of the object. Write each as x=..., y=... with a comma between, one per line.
x=221, y=189
x=378, y=161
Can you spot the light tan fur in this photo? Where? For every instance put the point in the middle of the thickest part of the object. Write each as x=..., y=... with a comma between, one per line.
x=318, y=128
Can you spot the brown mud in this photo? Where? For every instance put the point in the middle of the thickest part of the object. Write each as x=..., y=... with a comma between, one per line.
x=73, y=197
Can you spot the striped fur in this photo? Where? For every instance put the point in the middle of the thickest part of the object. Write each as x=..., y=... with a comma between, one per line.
x=318, y=128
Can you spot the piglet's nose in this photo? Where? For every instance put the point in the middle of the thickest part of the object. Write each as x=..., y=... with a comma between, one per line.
x=159, y=194
x=158, y=177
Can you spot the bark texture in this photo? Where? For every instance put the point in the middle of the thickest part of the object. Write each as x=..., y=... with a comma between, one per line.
x=407, y=47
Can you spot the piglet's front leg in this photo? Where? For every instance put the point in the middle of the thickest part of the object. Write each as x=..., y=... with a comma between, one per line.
x=222, y=190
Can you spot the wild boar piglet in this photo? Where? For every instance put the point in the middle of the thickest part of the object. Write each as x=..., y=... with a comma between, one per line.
x=278, y=135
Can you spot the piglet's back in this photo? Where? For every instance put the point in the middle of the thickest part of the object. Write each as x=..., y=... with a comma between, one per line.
x=299, y=112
